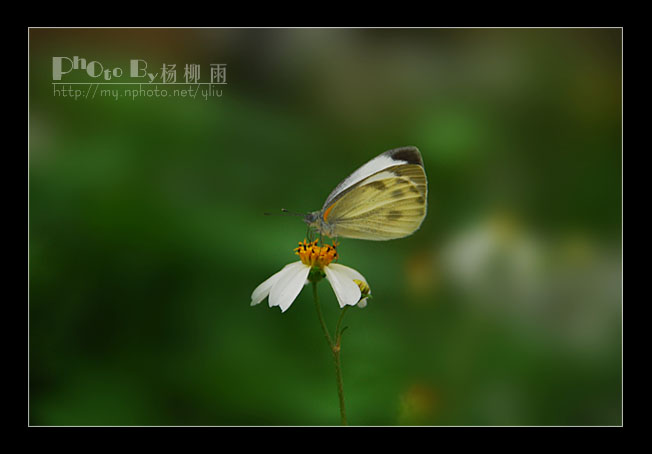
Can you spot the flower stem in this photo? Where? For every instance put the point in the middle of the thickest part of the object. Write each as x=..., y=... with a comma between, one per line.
x=321, y=317
x=335, y=349
x=338, y=333
x=340, y=389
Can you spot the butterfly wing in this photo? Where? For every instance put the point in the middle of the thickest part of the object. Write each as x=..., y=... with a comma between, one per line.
x=390, y=158
x=386, y=205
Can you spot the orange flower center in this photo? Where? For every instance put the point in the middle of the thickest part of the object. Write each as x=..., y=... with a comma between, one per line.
x=316, y=256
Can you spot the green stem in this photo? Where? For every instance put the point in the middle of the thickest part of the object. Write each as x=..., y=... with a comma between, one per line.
x=338, y=333
x=340, y=389
x=335, y=349
x=321, y=317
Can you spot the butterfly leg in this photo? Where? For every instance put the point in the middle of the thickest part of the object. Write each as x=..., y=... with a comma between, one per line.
x=309, y=234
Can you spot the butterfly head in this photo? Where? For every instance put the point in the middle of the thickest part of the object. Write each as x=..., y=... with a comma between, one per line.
x=316, y=221
x=311, y=218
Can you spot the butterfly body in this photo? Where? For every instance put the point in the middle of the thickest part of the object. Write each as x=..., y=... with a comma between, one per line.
x=385, y=199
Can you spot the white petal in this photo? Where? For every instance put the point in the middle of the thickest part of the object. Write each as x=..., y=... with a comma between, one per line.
x=346, y=291
x=350, y=272
x=290, y=282
x=262, y=291
x=363, y=303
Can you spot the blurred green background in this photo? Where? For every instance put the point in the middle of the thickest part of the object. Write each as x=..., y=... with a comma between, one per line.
x=147, y=234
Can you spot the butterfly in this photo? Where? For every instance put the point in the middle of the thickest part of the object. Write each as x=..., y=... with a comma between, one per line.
x=383, y=200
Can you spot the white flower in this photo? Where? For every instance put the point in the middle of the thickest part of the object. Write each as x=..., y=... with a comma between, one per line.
x=283, y=287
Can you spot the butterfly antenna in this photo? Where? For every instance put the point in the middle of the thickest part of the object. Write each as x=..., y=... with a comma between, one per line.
x=292, y=213
x=284, y=212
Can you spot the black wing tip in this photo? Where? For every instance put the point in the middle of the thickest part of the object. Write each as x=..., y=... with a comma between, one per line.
x=410, y=154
